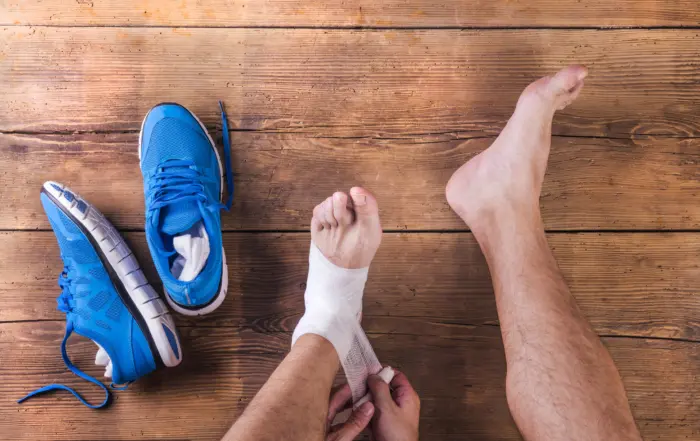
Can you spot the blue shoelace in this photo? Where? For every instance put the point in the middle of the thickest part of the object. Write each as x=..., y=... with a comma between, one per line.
x=65, y=305
x=177, y=181
x=227, y=156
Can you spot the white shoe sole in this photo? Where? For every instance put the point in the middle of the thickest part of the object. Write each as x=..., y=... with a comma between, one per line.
x=143, y=301
x=219, y=299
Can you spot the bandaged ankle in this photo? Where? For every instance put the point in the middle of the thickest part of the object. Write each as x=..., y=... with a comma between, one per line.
x=333, y=301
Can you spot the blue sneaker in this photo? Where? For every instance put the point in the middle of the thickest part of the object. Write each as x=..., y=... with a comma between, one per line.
x=183, y=184
x=105, y=296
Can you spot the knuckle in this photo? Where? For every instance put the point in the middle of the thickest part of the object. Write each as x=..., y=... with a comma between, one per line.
x=357, y=424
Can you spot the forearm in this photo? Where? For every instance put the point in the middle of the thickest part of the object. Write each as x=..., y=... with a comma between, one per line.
x=293, y=403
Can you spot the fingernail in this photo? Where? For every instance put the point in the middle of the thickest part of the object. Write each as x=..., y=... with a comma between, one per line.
x=367, y=409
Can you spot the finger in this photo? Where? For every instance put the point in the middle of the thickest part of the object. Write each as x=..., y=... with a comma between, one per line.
x=339, y=401
x=357, y=422
x=381, y=395
x=403, y=392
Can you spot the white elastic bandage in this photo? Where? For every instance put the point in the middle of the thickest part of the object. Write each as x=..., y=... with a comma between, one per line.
x=386, y=374
x=333, y=301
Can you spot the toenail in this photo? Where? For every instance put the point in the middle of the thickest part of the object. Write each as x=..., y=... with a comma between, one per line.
x=359, y=199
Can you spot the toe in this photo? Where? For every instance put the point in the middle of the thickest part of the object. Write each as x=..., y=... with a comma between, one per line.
x=316, y=224
x=328, y=212
x=341, y=212
x=320, y=216
x=566, y=85
x=567, y=79
x=553, y=92
x=364, y=203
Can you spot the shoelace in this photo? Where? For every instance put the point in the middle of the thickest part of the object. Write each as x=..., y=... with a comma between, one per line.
x=64, y=300
x=227, y=156
x=65, y=305
x=177, y=181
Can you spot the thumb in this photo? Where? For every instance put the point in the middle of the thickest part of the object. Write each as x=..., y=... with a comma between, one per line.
x=357, y=422
x=381, y=395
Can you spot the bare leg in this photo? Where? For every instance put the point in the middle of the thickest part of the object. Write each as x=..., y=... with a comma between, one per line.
x=294, y=403
x=561, y=382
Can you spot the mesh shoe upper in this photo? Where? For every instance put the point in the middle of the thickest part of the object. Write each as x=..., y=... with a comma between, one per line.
x=91, y=303
x=93, y=306
x=182, y=186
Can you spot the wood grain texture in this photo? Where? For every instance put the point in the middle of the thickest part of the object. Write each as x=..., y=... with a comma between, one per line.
x=223, y=368
x=317, y=110
x=592, y=184
x=353, y=13
x=635, y=284
x=346, y=82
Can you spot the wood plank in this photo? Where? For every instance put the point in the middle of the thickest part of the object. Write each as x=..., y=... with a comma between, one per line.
x=635, y=284
x=223, y=369
x=345, y=82
x=591, y=183
x=390, y=13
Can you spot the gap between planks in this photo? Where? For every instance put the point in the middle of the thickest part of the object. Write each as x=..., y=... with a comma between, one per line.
x=281, y=332
x=370, y=28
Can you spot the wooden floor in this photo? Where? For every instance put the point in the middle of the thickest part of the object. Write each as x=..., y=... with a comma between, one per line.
x=324, y=94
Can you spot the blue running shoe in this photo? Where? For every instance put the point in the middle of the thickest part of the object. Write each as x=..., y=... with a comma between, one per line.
x=183, y=184
x=105, y=296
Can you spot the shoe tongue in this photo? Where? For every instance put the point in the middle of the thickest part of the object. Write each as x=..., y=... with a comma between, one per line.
x=175, y=219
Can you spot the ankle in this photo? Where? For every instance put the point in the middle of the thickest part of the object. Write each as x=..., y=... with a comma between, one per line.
x=506, y=225
x=502, y=217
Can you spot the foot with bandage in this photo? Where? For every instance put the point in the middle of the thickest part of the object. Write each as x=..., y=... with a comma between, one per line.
x=345, y=236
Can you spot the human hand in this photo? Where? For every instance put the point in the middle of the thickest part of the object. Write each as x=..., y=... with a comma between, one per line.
x=397, y=411
x=341, y=399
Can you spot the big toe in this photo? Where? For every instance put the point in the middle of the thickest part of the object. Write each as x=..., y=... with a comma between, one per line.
x=565, y=86
x=364, y=204
x=557, y=91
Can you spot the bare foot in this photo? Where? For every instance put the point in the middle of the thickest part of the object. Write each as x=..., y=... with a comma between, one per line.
x=347, y=229
x=506, y=179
